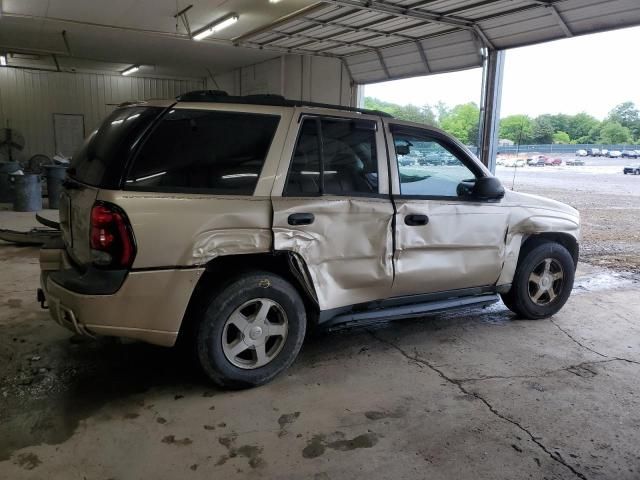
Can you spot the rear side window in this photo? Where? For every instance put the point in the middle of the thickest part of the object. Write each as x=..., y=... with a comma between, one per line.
x=335, y=157
x=202, y=151
x=102, y=158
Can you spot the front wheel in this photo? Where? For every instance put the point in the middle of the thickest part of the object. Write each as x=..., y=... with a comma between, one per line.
x=251, y=330
x=542, y=282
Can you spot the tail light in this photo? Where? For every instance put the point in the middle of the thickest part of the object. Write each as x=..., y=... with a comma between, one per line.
x=112, y=242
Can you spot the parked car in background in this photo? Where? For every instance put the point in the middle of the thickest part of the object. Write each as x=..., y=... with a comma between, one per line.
x=536, y=161
x=614, y=154
x=514, y=162
x=632, y=169
x=552, y=162
x=581, y=153
x=575, y=162
x=593, y=152
x=604, y=152
x=629, y=154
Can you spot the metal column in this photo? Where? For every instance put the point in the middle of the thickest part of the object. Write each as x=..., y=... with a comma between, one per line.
x=490, y=108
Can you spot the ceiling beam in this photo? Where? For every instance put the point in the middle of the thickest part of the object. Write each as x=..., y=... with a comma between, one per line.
x=423, y=57
x=382, y=63
x=563, y=24
x=328, y=39
x=403, y=12
x=366, y=28
x=279, y=22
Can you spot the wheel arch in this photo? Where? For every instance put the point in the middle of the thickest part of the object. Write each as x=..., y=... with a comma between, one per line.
x=223, y=269
x=567, y=240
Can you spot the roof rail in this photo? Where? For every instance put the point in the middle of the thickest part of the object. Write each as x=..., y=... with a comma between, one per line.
x=219, y=96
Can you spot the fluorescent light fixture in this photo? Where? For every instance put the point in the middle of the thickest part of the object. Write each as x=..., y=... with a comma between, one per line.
x=238, y=175
x=274, y=1
x=131, y=70
x=216, y=26
x=148, y=177
x=3, y=60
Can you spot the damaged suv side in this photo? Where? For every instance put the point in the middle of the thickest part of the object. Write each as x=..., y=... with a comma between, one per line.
x=237, y=223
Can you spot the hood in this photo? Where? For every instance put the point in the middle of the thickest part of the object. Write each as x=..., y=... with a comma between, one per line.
x=536, y=201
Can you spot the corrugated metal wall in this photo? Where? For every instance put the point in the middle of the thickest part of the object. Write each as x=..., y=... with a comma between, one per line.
x=313, y=79
x=29, y=98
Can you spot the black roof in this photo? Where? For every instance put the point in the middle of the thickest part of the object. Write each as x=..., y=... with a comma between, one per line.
x=220, y=96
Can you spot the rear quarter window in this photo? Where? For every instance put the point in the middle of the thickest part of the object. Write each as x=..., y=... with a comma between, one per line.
x=202, y=151
x=101, y=160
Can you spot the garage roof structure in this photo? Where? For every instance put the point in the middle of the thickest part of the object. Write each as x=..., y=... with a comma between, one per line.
x=377, y=40
x=389, y=40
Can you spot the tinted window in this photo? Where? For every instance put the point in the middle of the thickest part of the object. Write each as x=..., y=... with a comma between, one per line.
x=101, y=159
x=428, y=168
x=348, y=158
x=204, y=151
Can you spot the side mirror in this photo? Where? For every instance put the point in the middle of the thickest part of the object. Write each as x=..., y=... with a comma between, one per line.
x=487, y=188
x=402, y=150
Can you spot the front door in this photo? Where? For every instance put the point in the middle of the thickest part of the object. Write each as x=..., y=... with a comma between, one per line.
x=443, y=241
x=332, y=207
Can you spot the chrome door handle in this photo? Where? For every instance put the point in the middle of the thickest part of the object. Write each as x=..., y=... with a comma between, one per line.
x=415, y=220
x=301, y=219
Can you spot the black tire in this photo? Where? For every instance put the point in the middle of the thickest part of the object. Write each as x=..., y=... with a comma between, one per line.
x=211, y=328
x=519, y=299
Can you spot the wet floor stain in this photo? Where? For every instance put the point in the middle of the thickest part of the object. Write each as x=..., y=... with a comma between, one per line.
x=319, y=444
x=382, y=414
x=285, y=420
x=14, y=303
x=44, y=400
x=253, y=453
x=172, y=440
x=28, y=461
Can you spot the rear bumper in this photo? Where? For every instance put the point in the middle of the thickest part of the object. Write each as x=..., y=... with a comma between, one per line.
x=149, y=306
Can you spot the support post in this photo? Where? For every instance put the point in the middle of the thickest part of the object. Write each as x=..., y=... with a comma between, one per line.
x=490, y=107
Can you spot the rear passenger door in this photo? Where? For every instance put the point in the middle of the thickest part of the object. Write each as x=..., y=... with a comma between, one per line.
x=332, y=207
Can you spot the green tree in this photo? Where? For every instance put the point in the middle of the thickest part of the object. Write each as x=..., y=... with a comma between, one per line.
x=517, y=128
x=614, y=132
x=462, y=122
x=561, y=137
x=580, y=125
x=410, y=113
x=627, y=115
x=543, y=130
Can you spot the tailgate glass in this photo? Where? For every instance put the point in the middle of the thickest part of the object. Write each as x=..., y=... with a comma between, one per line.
x=101, y=160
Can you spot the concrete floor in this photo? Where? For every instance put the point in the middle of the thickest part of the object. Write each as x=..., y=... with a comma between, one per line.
x=474, y=394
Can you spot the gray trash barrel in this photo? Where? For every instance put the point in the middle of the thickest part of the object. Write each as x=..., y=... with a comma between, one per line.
x=6, y=187
x=55, y=175
x=28, y=192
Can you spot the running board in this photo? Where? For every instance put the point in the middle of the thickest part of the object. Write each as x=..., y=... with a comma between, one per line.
x=408, y=311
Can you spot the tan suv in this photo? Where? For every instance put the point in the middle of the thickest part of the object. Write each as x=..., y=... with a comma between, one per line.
x=237, y=223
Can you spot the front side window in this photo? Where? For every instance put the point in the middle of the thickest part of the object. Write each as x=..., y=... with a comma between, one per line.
x=427, y=168
x=204, y=151
x=334, y=157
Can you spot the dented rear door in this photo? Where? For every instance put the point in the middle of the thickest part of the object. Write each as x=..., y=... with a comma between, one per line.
x=332, y=207
x=443, y=242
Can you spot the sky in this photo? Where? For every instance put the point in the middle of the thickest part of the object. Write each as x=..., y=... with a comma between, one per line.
x=591, y=73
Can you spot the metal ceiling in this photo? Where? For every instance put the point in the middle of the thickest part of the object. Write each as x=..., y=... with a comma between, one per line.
x=384, y=40
x=376, y=40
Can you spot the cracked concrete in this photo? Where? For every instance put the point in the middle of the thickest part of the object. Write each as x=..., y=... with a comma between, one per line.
x=472, y=394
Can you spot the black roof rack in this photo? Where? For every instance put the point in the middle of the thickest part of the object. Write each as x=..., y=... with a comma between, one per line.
x=219, y=96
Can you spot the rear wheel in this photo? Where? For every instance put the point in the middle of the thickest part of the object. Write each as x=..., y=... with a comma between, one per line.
x=543, y=281
x=251, y=330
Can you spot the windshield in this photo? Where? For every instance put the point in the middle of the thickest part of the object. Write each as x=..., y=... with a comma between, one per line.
x=102, y=158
